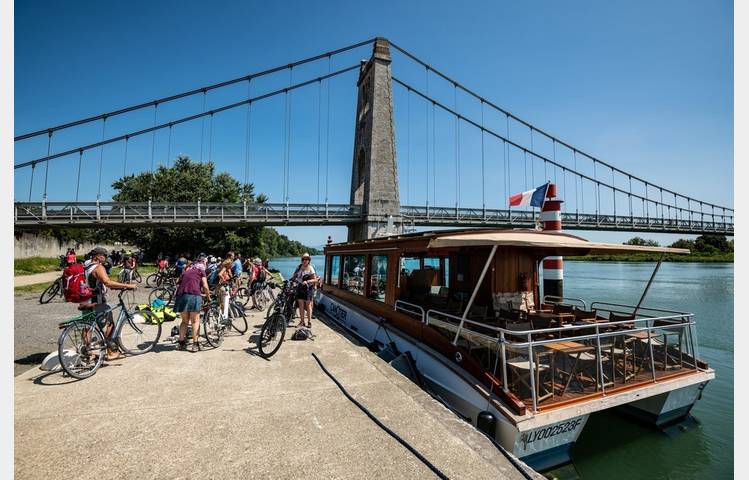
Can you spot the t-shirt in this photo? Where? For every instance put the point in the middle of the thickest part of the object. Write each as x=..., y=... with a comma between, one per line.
x=236, y=267
x=190, y=282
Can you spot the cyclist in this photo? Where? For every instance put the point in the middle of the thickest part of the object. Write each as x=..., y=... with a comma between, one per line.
x=236, y=267
x=258, y=276
x=99, y=282
x=189, y=302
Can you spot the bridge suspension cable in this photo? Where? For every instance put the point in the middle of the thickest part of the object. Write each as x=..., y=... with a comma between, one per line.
x=547, y=161
x=32, y=163
x=527, y=124
x=195, y=91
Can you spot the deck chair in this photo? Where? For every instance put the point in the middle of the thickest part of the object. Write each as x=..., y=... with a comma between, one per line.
x=519, y=368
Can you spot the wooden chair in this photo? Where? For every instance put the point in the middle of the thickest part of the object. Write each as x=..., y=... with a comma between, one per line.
x=519, y=368
x=560, y=308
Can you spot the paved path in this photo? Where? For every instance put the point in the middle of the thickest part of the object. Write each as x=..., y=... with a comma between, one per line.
x=23, y=280
x=227, y=413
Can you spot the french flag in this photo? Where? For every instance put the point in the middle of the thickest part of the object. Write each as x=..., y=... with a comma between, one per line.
x=534, y=198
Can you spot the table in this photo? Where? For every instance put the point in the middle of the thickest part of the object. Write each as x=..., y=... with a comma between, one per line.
x=568, y=348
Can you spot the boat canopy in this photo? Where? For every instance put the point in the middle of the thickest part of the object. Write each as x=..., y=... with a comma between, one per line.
x=552, y=242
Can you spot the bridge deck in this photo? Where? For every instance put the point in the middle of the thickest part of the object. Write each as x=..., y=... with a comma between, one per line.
x=134, y=214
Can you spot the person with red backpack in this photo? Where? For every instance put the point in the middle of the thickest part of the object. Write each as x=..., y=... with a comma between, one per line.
x=70, y=257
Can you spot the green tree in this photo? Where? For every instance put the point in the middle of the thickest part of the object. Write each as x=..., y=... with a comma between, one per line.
x=188, y=181
x=712, y=244
x=641, y=242
x=682, y=243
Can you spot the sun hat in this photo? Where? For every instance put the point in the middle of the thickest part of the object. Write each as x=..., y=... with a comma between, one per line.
x=306, y=255
x=99, y=251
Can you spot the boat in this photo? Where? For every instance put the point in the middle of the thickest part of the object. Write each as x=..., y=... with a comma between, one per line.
x=464, y=314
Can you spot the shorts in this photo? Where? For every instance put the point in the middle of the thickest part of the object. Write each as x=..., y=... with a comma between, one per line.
x=304, y=292
x=188, y=303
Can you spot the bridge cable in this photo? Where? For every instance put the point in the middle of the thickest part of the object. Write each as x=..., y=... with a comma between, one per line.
x=210, y=138
x=457, y=149
x=511, y=143
x=426, y=137
x=197, y=90
x=327, y=134
x=508, y=173
x=101, y=157
x=533, y=174
x=182, y=120
x=288, y=138
x=169, y=148
x=515, y=117
x=613, y=191
x=248, y=140
x=408, y=147
x=434, y=156
x=574, y=156
x=319, y=129
x=483, y=176
x=124, y=162
x=31, y=183
x=78, y=181
x=46, y=170
x=153, y=147
x=202, y=129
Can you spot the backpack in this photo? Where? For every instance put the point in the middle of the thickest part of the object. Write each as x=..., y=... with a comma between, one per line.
x=75, y=284
x=302, y=333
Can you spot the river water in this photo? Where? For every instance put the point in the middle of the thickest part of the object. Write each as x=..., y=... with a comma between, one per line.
x=614, y=447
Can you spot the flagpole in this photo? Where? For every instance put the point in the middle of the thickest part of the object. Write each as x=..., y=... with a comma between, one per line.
x=546, y=192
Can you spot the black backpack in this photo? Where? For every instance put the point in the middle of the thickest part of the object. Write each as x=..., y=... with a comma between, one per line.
x=302, y=333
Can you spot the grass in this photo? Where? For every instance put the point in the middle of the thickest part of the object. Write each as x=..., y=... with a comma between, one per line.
x=28, y=266
x=35, y=288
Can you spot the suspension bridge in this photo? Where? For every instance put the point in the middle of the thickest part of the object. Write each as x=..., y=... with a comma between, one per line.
x=444, y=180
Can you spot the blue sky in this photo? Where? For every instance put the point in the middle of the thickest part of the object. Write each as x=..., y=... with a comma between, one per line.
x=646, y=86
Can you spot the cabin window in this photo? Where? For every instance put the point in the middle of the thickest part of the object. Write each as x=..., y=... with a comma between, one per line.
x=335, y=270
x=424, y=280
x=354, y=272
x=378, y=277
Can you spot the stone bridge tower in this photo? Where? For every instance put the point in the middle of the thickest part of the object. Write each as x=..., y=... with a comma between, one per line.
x=374, y=173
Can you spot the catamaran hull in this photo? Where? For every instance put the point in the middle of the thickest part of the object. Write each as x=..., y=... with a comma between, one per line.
x=667, y=408
x=543, y=447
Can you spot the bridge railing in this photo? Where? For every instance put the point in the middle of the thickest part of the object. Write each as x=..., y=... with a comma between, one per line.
x=428, y=215
x=173, y=212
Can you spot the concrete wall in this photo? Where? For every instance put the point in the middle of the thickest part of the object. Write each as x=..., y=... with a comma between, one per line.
x=32, y=245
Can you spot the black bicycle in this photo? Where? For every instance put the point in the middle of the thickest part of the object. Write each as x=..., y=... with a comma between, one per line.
x=279, y=315
x=82, y=345
x=55, y=289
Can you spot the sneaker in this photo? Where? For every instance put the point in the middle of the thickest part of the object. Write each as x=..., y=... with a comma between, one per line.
x=182, y=345
x=195, y=347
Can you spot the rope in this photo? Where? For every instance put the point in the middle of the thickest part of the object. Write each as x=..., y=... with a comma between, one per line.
x=400, y=440
x=101, y=158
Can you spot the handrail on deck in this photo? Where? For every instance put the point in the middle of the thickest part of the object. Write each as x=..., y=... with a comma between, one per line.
x=557, y=299
x=678, y=321
x=398, y=307
x=659, y=310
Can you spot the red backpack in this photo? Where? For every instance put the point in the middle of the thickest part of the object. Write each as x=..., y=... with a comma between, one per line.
x=75, y=285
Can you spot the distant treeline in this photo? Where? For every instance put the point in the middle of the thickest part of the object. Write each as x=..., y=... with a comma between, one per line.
x=705, y=248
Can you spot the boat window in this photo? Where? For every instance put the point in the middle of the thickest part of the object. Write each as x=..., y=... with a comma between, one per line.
x=423, y=280
x=335, y=270
x=353, y=274
x=378, y=277
x=409, y=264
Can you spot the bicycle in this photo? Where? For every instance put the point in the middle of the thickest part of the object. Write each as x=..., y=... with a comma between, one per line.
x=82, y=345
x=217, y=321
x=273, y=330
x=128, y=275
x=55, y=289
x=165, y=293
x=263, y=295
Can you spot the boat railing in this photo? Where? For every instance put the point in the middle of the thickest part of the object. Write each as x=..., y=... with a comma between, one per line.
x=630, y=309
x=600, y=341
x=410, y=309
x=566, y=300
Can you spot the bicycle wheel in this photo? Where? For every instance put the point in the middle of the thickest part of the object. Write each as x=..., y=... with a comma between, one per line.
x=260, y=300
x=152, y=280
x=136, y=276
x=138, y=335
x=269, y=312
x=238, y=317
x=271, y=335
x=50, y=292
x=243, y=296
x=81, y=349
x=163, y=293
x=213, y=328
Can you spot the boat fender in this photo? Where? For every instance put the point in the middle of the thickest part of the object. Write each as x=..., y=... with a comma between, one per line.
x=486, y=422
x=458, y=357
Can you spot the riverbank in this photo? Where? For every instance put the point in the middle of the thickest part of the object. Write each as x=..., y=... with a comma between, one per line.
x=654, y=257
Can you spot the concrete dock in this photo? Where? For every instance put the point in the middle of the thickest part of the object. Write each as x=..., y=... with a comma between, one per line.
x=228, y=413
